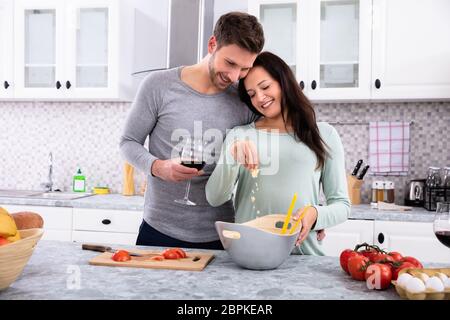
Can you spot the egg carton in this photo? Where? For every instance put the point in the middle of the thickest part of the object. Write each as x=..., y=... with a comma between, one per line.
x=427, y=294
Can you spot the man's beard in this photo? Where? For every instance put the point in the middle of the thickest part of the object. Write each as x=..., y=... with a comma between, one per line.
x=213, y=75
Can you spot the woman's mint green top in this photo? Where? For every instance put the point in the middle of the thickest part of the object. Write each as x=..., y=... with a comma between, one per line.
x=286, y=166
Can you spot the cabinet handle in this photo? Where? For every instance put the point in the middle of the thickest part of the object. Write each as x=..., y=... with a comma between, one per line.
x=68, y=85
x=313, y=85
x=380, y=237
x=6, y=84
x=302, y=85
x=58, y=84
x=378, y=84
x=106, y=221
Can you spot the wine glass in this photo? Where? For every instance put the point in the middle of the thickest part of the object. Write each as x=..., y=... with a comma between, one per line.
x=192, y=156
x=442, y=223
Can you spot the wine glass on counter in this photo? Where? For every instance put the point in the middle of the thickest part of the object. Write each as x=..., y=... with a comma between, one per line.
x=441, y=224
x=192, y=156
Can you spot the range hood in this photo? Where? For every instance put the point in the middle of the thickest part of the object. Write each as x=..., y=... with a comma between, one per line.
x=189, y=26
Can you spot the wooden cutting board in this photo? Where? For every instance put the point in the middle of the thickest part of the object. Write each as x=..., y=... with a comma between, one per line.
x=195, y=261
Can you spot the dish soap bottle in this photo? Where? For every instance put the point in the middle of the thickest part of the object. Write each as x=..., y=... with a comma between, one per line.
x=79, y=182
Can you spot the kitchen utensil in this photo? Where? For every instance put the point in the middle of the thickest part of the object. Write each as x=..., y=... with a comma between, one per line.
x=300, y=218
x=433, y=177
x=363, y=172
x=354, y=189
x=288, y=216
x=358, y=165
x=415, y=193
x=195, y=261
x=100, y=248
x=101, y=190
x=257, y=244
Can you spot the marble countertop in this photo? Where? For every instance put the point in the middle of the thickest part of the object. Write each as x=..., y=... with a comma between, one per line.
x=60, y=270
x=120, y=202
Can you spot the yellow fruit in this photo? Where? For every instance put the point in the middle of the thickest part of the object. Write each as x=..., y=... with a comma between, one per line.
x=8, y=226
x=14, y=238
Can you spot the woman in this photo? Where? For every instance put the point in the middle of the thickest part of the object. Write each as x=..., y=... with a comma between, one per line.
x=282, y=153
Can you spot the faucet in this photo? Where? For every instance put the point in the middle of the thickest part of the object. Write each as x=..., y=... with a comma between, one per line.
x=49, y=184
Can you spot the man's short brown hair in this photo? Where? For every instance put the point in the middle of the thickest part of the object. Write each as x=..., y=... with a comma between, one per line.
x=241, y=29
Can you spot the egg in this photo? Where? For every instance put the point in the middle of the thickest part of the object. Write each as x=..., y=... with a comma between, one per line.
x=415, y=285
x=403, y=279
x=447, y=284
x=423, y=276
x=434, y=284
x=442, y=276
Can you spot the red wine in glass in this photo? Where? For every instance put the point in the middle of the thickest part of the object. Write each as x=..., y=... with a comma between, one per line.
x=193, y=164
x=443, y=237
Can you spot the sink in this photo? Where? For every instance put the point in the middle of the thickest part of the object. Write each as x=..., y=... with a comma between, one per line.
x=18, y=193
x=60, y=195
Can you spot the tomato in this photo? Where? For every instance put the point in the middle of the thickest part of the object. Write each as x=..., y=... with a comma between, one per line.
x=180, y=252
x=343, y=259
x=382, y=258
x=121, y=256
x=357, y=267
x=157, y=258
x=414, y=261
x=170, y=254
x=370, y=254
x=396, y=256
x=403, y=265
x=378, y=276
x=3, y=241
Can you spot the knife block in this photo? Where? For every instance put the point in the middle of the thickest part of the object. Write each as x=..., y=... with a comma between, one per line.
x=354, y=189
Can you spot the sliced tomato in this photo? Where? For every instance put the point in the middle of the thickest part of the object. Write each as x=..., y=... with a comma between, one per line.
x=121, y=256
x=180, y=252
x=170, y=254
x=157, y=258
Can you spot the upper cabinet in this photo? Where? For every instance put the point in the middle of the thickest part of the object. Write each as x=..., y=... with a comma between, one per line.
x=361, y=49
x=411, y=49
x=6, y=43
x=76, y=49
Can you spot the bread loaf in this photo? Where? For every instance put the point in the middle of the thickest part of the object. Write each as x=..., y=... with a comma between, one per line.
x=28, y=220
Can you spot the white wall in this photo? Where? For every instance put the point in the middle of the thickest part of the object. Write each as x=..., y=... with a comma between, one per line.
x=224, y=6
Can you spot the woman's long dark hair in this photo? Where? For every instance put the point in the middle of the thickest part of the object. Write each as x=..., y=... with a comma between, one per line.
x=298, y=109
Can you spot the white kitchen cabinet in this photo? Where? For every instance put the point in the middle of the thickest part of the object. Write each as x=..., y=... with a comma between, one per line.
x=77, y=49
x=411, y=49
x=6, y=44
x=57, y=220
x=106, y=226
x=346, y=236
x=415, y=239
x=339, y=49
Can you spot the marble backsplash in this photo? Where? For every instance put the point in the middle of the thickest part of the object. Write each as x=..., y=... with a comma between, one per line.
x=86, y=134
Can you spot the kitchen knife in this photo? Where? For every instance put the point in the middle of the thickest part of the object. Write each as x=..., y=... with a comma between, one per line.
x=358, y=165
x=363, y=172
x=99, y=248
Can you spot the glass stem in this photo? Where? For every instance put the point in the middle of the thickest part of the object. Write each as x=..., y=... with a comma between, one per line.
x=188, y=187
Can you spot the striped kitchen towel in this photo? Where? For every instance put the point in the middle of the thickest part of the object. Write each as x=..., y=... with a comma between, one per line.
x=389, y=148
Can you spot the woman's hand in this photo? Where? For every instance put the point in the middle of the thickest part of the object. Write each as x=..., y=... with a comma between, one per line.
x=307, y=222
x=245, y=153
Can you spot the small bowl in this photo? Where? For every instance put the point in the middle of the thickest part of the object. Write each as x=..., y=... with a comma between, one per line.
x=15, y=256
x=257, y=244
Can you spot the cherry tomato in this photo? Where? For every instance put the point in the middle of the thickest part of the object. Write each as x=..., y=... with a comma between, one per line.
x=121, y=256
x=3, y=241
x=378, y=276
x=357, y=267
x=403, y=265
x=414, y=261
x=396, y=256
x=382, y=258
x=343, y=259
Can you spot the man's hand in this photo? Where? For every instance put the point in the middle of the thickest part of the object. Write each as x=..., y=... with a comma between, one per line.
x=245, y=153
x=172, y=170
x=307, y=222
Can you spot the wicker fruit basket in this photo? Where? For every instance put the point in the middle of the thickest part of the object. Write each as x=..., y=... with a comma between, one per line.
x=14, y=256
x=427, y=294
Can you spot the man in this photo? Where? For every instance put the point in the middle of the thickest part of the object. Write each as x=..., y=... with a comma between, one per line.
x=202, y=97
